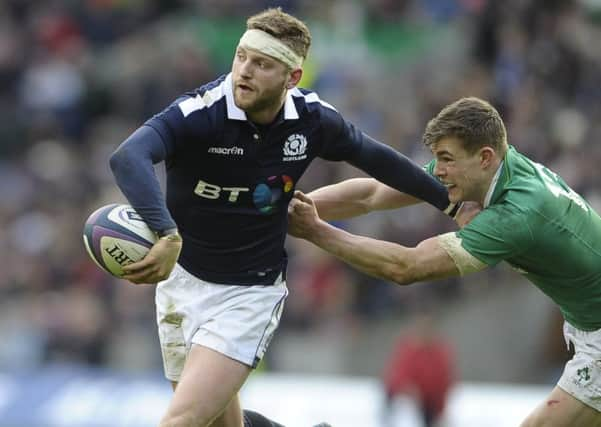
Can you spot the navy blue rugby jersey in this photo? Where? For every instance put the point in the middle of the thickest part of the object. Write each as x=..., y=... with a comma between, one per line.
x=229, y=182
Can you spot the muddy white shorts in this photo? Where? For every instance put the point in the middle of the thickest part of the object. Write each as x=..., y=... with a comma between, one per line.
x=237, y=321
x=582, y=374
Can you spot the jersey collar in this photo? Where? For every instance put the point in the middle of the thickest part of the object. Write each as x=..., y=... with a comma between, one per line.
x=493, y=184
x=235, y=113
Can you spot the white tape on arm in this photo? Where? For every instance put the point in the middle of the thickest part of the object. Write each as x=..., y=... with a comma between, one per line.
x=465, y=262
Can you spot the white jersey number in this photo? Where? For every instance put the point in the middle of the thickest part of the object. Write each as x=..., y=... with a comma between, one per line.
x=550, y=179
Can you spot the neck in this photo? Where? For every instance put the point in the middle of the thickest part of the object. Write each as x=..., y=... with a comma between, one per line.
x=267, y=114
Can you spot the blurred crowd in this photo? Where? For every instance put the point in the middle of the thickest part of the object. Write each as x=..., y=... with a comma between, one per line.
x=77, y=77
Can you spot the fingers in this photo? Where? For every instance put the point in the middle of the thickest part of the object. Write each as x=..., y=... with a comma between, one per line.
x=140, y=271
x=152, y=269
x=144, y=277
x=137, y=267
x=303, y=197
x=156, y=265
x=153, y=273
x=292, y=205
x=300, y=203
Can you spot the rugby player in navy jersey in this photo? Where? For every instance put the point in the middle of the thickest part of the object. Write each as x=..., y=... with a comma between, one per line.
x=234, y=150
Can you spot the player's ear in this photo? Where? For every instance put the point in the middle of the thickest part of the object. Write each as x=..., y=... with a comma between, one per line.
x=487, y=155
x=294, y=77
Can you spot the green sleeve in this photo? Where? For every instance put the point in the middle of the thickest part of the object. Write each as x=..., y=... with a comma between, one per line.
x=498, y=233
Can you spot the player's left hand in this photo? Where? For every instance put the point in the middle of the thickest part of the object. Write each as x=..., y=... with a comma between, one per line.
x=302, y=216
x=467, y=212
x=156, y=265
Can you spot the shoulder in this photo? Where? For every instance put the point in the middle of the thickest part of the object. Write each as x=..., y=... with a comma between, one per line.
x=526, y=195
x=505, y=213
x=533, y=187
x=194, y=113
x=308, y=102
x=206, y=99
x=199, y=110
x=506, y=222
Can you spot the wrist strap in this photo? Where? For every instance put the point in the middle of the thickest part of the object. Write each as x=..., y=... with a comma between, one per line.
x=171, y=235
x=167, y=232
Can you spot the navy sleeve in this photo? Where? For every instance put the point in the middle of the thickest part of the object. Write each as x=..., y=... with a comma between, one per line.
x=398, y=171
x=132, y=166
x=171, y=125
x=343, y=141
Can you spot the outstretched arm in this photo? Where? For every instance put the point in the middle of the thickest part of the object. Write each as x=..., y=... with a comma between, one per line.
x=400, y=182
x=389, y=261
x=401, y=173
x=357, y=196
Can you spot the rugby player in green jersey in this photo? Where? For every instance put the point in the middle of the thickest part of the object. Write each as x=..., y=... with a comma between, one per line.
x=530, y=218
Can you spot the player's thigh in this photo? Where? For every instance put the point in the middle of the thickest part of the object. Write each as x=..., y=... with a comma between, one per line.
x=560, y=409
x=208, y=384
x=236, y=321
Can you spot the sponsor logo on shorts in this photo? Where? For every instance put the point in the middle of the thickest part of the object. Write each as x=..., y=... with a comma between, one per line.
x=583, y=376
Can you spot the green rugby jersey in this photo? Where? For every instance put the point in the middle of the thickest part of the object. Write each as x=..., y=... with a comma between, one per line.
x=546, y=232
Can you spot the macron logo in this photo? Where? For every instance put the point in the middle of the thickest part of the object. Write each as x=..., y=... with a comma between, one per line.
x=227, y=151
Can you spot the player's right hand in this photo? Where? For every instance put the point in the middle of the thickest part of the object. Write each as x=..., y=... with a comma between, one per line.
x=156, y=265
x=302, y=216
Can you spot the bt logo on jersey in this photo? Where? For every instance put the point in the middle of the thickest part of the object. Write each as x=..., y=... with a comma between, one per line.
x=268, y=194
x=213, y=191
x=265, y=197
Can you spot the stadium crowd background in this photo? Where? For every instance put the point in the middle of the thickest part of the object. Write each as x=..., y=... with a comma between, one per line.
x=76, y=77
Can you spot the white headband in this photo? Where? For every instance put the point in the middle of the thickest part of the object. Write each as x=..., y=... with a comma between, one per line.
x=267, y=44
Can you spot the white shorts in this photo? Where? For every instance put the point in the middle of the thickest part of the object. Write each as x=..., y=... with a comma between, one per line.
x=582, y=374
x=237, y=321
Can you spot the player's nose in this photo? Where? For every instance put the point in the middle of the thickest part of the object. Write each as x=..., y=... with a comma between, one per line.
x=439, y=171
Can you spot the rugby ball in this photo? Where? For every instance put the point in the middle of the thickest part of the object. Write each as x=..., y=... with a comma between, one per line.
x=115, y=236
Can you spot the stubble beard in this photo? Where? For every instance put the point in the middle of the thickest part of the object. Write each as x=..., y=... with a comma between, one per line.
x=261, y=101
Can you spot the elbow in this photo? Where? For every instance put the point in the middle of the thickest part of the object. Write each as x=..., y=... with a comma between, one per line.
x=119, y=159
x=402, y=281
x=399, y=274
x=115, y=160
x=370, y=200
x=365, y=207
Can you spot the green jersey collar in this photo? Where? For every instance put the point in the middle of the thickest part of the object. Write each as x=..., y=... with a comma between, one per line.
x=502, y=174
x=493, y=184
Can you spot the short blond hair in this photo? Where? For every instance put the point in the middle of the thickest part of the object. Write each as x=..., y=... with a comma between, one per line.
x=289, y=30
